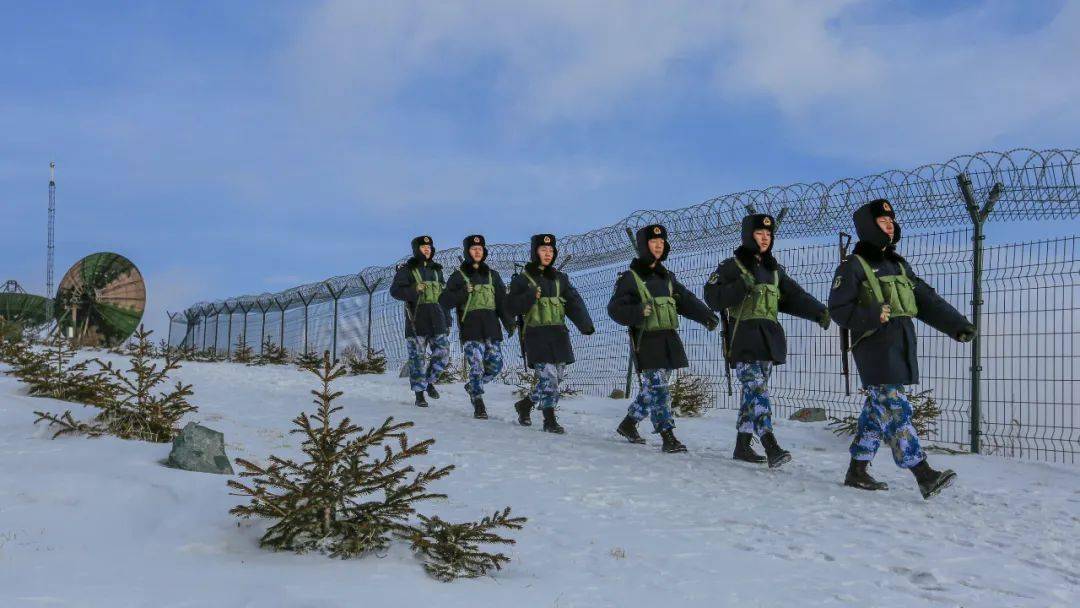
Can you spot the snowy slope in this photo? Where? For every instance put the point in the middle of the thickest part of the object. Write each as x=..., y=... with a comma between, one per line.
x=101, y=523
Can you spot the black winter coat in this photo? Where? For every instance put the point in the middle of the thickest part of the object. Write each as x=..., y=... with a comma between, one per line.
x=758, y=339
x=889, y=355
x=660, y=349
x=549, y=344
x=478, y=325
x=425, y=320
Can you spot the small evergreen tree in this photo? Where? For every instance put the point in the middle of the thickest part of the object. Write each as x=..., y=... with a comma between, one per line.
x=309, y=361
x=451, y=551
x=50, y=373
x=523, y=380
x=243, y=352
x=364, y=361
x=691, y=395
x=454, y=372
x=353, y=494
x=133, y=411
x=924, y=416
x=271, y=354
x=341, y=500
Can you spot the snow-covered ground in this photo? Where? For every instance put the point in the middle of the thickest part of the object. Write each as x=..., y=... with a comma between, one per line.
x=101, y=523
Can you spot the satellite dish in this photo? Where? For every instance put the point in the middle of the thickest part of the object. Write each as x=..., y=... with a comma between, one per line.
x=19, y=310
x=100, y=300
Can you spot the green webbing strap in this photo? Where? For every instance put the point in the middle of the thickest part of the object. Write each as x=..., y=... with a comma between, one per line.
x=872, y=278
x=752, y=281
x=537, y=285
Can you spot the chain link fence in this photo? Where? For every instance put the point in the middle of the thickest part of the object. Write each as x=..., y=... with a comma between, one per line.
x=1010, y=393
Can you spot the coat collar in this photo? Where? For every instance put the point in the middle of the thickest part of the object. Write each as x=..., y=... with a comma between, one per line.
x=643, y=268
x=414, y=262
x=749, y=258
x=875, y=254
x=468, y=268
x=534, y=269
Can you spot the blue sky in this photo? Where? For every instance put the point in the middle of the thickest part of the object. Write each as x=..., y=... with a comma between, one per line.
x=248, y=147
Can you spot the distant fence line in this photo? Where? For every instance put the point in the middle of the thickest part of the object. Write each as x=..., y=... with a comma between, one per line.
x=1010, y=392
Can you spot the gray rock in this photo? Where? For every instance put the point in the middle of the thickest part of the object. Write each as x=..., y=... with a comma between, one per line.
x=617, y=394
x=201, y=449
x=810, y=414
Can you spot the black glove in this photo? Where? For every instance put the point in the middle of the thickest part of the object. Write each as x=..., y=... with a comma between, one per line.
x=588, y=331
x=965, y=333
x=824, y=321
x=712, y=322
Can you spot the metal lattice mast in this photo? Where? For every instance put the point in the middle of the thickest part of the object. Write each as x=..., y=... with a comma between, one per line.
x=52, y=230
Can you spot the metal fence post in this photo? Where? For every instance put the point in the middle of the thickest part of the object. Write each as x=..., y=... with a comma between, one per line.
x=281, y=331
x=630, y=358
x=243, y=325
x=217, y=328
x=978, y=218
x=370, y=291
x=168, y=340
x=228, y=331
x=306, y=301
x=336, y=295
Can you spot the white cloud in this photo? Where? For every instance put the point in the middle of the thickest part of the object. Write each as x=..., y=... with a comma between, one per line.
x=889, y=92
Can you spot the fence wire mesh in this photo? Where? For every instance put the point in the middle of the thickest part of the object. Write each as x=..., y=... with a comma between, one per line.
x=1029, y=320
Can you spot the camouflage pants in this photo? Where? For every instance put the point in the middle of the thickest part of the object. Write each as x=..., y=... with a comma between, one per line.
x=755, y=413
x=887, y=415
x=421, y=372
x=485, y=361
x=654, y=400
x=546, y=392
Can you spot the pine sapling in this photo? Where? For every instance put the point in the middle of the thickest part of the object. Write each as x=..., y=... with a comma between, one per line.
x=350, y=494
x=451, y=551
x=243, y=352
x=136, y=410
x=691, y=395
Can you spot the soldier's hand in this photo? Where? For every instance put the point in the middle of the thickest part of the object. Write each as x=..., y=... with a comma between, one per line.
x=420, y=287
x=966, y=333
x=648, y=310
x=468, y=287
x=538, y=293
x=712, y=323
x=886, y=311
x=824, y=320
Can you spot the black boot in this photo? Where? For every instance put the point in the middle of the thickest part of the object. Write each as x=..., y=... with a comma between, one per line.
x=858, y=477
x=777, y=456
x=479, y=411
x=671, y=444
x=628, y=428
x=743, y=451
x=551, y=425
x=434, y=394
x=524, y=407
x=930, y=481
x=420, y=401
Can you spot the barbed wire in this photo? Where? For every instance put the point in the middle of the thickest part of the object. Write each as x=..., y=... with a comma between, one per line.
x=1038, y=184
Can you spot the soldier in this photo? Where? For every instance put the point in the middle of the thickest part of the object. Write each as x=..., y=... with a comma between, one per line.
x=478, y=294
x=418, y=283
x=649, y=300
x=544, y=297
x=753, y=287
x=875, y=294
